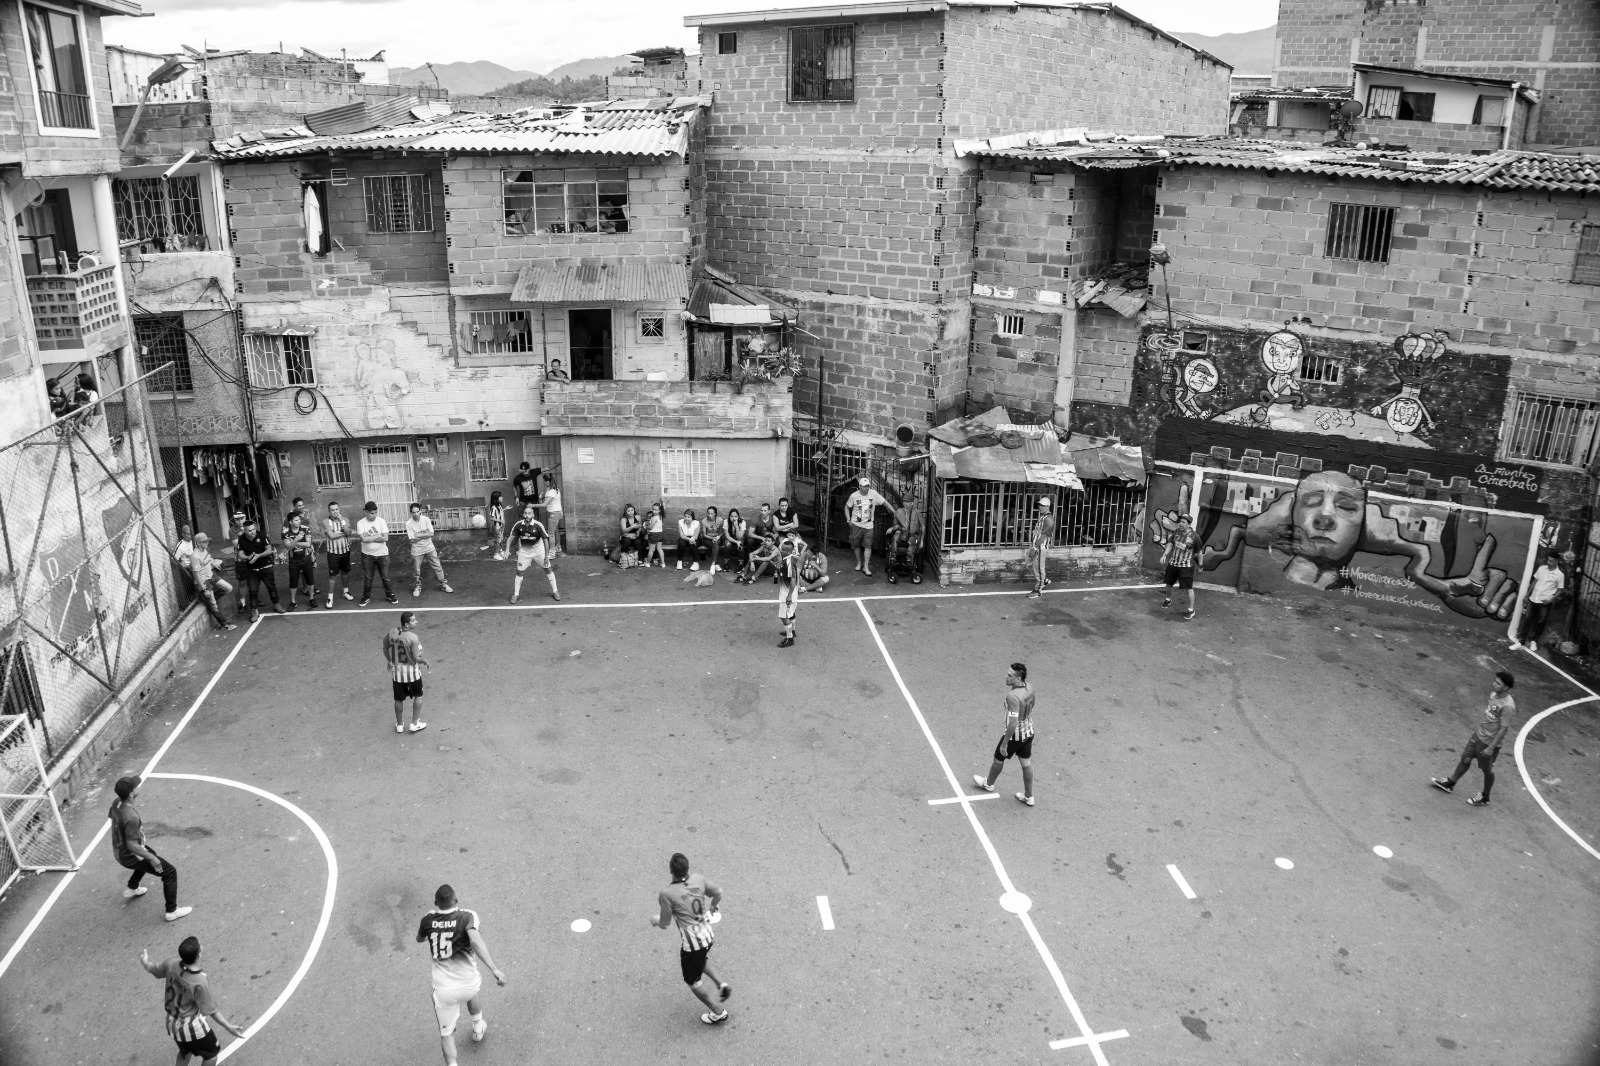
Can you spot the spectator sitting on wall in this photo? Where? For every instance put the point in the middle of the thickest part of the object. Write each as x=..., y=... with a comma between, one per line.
x=689, y=540
x=784, y=520
x=628, y=543
x=556, y=372
x=734, y=531
x=763, y=557
x=711, y=535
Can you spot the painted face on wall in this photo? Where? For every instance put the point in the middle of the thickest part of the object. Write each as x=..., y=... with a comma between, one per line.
x=1281, y=352
x=1329, y=509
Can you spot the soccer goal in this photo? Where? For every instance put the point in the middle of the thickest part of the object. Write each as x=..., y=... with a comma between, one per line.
x=35, y=836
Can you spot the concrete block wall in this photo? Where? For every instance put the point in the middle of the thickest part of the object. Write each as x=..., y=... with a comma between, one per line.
x=968, y=566
x=1454, y=137
x=1105, y=345
x=653, y=408
x=1031, y=231
x=417, y=259
x=632, y=357
x=47, y=155
x=214, y=412
x=1016, y=372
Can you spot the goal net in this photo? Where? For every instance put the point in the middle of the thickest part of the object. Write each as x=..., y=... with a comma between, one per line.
x=35, y=837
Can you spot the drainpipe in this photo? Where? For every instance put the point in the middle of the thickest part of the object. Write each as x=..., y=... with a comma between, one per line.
x=1511, y=116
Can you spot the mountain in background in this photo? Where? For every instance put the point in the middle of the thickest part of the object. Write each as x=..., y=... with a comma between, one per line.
x=471, y=79
x=1250, y=52
x=599, y=66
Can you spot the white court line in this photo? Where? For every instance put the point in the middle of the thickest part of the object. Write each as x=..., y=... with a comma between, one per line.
x=1522, y=766
x=327, y=899
x=105, y=827
x=1089, y=1037
x=965, y=799
x=1057, y=1045
x=1183, y=886
x=827, y=912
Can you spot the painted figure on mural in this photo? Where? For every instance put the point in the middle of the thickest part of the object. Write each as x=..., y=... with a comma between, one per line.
x=1317, y=529
x=1186, y=377
x=1281, y=353
x=382, y=384
x=1414, y=364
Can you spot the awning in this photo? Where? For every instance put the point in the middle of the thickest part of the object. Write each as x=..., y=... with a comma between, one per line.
x=716, y=298
x=989, y=447
x=604, y=281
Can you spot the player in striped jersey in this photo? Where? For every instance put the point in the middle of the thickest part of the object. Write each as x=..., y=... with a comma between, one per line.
x=788, y=574
x=455, y=946
x=190, y=1006
x=1018, y=738
x=402, y=650
x=336, y=527
x=533, y=546
x=692, y=902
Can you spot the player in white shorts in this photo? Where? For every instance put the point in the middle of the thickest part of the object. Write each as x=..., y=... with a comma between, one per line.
x=533, y=546
x=788, y=573
x=455, y=946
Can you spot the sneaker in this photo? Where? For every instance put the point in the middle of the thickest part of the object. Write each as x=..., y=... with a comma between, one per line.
x=1188, y=614
x=278, y=608
x=513, y=599
x=255, y=616
x=447, y=588
x=135, y=893
x=680, y=564
x=486, y=547
x=982, y=782
x=479, y=1027
x=393, y=598
x=173, y=916
x=363, y=603
x=694, y=566
x=1442, y=785
x=724, y=993
x=1023, y=797
x=556, y=596
x=398, y=728
x=292, y=606
x=1478, y=801
x=417, y=727
x=715, y=568
x=786, y=642
x=713, y=1019
x=416, y=591
x=229, y=628
x=329, y=604
x=1033, y=595
x=348, y=596
x=1166, y=603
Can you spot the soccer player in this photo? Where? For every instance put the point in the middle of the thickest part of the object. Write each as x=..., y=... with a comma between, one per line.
x=127, y=844
x=302, y=558
x=861, y=511
x=208, y=584
x=336, y=527
x=531, y=539
x=1018, y=738
x=1483, y=746
x=402, y=650
x=455, y=946
x=419, y=527
x=692, y=902
x=255, y=566
x=190, y=1006
x=373, y=532
x=1180, y=560
x=1044, y=532
x=788, y=574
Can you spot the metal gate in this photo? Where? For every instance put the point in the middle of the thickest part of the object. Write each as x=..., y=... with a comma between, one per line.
x=386, y=469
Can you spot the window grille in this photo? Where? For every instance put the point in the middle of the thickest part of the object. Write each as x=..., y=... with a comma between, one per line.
x=1321, y=369
x=565, y=201
x=1383, y=101
x=332, y=460
x=1360, y=232
x=399, y=203
x=162, y=341
x=652, y=326
x=1012, y=326
x=486, y=460
x=822, y=63
x=688, y=472
x=727, y=44
x=163, y=216
x=808, y=461
x=277, y=361
x=500, y=331
x=1551, y=429
x=1003, y=514
x=1586, y=268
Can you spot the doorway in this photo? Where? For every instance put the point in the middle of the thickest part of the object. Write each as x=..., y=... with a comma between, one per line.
x=386, y=469
x=45, y=232
x=589, y=343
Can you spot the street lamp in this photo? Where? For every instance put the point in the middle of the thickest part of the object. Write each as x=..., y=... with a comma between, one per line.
x=1161, y=257
x=172, y=69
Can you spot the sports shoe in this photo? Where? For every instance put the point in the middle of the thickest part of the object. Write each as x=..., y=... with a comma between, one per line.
x=347, y=595
x=479, y=1027
x=1034, y=594
x=292, y=606
x=278, y=608
x=1442, y=785
x=135, y=893
x=680, y=564
x=417, y=727
x=1188, y=614
x=486, y=547
x=416, y=590
x=556, y=596
x=447, y=588
x=982, y=782
x=398, y=728
x=713, y=1019
x=1478, y=800
x=330, y=600
x=255, y=616
x=786, y=642
x=229, y=628
x=694, y=566
x=393, y=598
x=715, y=568
x=1023, y=797
x=513, y=599
x=363, y=602
x=1166, y=603
x=173, y=916
x=724, y=993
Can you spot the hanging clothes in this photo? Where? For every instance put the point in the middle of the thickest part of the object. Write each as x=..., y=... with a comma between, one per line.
x=316, y=235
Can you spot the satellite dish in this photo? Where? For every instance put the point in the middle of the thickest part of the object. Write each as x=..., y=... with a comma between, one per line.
x=1351, y=109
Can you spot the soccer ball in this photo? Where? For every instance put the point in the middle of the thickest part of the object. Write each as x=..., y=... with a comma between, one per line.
x=478, y=521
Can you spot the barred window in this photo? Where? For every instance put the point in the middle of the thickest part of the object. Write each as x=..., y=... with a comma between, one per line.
x=688, y=472
x=652, y=326
x=808, y=460
x=822, y=63
x=500, y=331
x=278, y=360
x=1586, y=268
x=332, y=460
x=1011, y=325
x=399, y=203
x=486, y=460
x=162, y=341
x=727, y=43
x=1321, y=369
x=1360, y=232
x=565, y=201
x=1550, y=429
x=162, y=215
x=1383, y=101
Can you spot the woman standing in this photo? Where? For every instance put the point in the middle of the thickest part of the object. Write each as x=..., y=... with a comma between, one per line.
x=496, y=524
x=689, y=540
x=711, y=530
x=628, y=546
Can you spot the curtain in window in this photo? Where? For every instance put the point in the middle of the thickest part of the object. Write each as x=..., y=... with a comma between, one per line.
x=840, y=64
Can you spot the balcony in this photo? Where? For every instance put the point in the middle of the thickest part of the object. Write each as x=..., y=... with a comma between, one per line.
x=66, y=111
x=77, y=310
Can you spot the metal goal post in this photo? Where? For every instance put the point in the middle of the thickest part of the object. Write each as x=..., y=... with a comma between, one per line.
x=35, y=836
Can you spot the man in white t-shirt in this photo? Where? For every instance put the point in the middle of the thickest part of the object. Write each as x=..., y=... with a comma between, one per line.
x=419, y=527
x=1548, y=581
x=373, y=532
x=861, y=511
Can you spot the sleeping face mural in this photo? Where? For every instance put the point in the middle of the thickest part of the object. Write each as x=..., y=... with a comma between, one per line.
x=1329, y=508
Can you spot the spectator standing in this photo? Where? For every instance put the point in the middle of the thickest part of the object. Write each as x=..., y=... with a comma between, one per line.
x=1018, y=736
x=302, y=559
x=1044, y=532
x=526, y=486
x=336, y=529
x=653, y=525
x=402, y=650
x=629, y=528
x=555, y=519
x=256, y=556
x=556, y=372
x=191, y=1009
x=455, y=946
x=1548, y=583
x=860, y=511
x=419, y=527
x=183, y=553
x=689, y=540
x=693, y=902
x=208, y=584
x=236, y=527
x=495, y=521
x=1483, y=745
x=373, y=533
x=131, y=851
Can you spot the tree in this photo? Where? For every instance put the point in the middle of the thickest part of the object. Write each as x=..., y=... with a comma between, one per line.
x=565, y=91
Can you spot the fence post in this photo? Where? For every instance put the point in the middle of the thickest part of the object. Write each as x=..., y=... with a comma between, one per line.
x=83, y=530
x=1527, y=577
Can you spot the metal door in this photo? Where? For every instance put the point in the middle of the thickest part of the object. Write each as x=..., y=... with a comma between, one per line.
x=386, y=469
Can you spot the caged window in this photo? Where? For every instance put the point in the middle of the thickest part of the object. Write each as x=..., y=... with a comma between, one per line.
x=280, y=360
x=652, y=327
x=1360, y=232
x=822, y=63
x=500, y=331
x=565, y=201
x=1551, y=429
x=162, y=340
x=486, y=460
x=160, y=215
x=1321, y=369
x=688, y=472
x=332, y=460
x=399, y=203
x=1586, y=267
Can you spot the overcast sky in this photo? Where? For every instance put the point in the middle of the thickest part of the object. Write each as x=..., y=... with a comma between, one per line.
x=534, y=35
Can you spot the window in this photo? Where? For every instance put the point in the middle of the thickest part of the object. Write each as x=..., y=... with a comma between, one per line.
x=332, y=461
x=500, y=331
x=1489, y=111
x=1360, y=232
x=1011, y=325
x=1550, y=429
x=399, y=203
x=279, y=360
x=1415, y=107
x=162, y=215
x=1321, y=369
x=486, y=460
x=565, y=201
x=59, y=71
x=688, y=472
x=1383, y=101
x=1586, y=268
x=162, y=341
x=652, y=327
x=727, y=44
x=822, y=63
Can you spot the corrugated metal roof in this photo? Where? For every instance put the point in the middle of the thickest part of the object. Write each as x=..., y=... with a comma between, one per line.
x=1311, y=95
x=715, y=287
x=1439, y=75
x=646, y=128
x=567, y=281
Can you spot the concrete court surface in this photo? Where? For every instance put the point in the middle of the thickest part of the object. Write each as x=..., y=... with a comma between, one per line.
x=552, y=787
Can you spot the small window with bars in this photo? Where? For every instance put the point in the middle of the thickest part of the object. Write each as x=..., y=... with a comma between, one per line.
x=822, y=63
x=1321, y=369
x=162, y=215
x=652, y=327
x=688, y=472
x=1383, y=101
x=1550, y=429
x=1586, y=267
x=1011, y=325
x=486, y=460
x=727, y=44
x=1360, y=232
x=279, y=360
x=332, y=461
x=808, y=460
x=500, y=331
x=565, y=201
x=399, y=203
x=164, y=352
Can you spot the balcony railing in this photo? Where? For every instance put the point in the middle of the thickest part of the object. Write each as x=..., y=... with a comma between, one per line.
x=66, y=111
x=76, y=310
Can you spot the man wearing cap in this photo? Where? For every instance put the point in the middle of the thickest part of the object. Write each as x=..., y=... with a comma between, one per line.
x=1180, y=559
x=202, y=569
x=127, y=844
x=256, y=557
x=860, y=511
x=373, y=532
x=1044, y=535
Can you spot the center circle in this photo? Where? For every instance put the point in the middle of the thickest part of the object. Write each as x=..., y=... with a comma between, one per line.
x=581, y=926
x=1016, y=902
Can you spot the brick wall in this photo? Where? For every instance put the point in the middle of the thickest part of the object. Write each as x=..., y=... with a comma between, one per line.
x=1105, y=345
x=214, y=412
x=1430, y=136
x=395, y=258
x=632, y=357
x=45, y=155
x=652, y=408
x=1018, y=372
